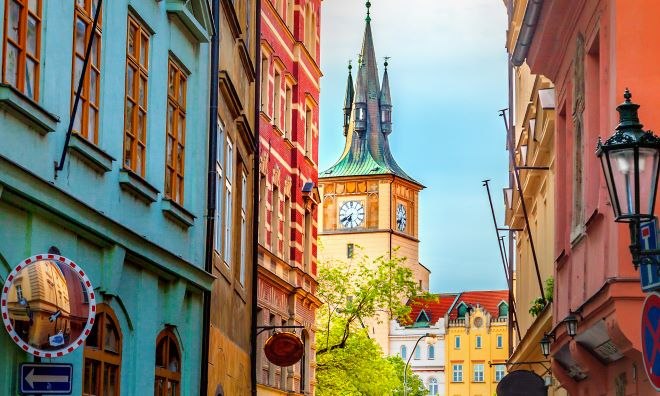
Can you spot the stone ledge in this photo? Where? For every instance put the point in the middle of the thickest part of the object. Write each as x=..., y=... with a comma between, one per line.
x=137, y=186
x=178, y=8
x=27, y=110
x=91, y=154
x=177, y=213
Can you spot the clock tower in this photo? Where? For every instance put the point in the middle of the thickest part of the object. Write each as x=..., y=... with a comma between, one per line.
x=367, y=199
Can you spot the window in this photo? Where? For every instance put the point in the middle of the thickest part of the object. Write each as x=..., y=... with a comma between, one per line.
x=500, y=341
x=102, y=354
x=478, y=372
x=287, y=229
x=360, y=114
x=275, y=222
x=350, y=250
x=218, y=187
x=457, y=342
x=262, y=209
x=276, y=100
x=22, y=46
x=19, y=293
x=135, y=116
x=457, y=373
x=308, y=132
x=168, y=365
x=462, y=310
x=287, y=112
x=433, y=386
x=477, y=342
x=404, y=352
x=307, y=241
x=289, y=14
x=229, y=171
x=418, y=353
x=385, y=116
x=176, y=133
x=500, y=371
x=86, y=123
x=264, y=84
x=431, y=352
x=503, y=310
x=244, y=236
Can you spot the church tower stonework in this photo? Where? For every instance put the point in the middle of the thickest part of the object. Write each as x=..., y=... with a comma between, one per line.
x=367, y=199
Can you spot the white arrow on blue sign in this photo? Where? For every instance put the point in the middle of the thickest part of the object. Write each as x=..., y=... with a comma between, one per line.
x=649, y=273
x=46, y=378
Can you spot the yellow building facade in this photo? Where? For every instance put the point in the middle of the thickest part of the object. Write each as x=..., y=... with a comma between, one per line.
x=532, y=138
x=476, y=343
x=369, y=204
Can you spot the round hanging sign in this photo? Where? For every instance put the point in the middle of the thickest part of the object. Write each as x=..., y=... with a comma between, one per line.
x=48, y=305
x=284, y=349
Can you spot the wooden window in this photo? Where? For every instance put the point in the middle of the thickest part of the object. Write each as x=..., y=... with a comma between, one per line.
x=276, y=100
x=22, y=46
x=286, y=247
x=288, y=104
x=168, y=365
x=229, y=174
x=135, y=116
x=244, y=236
x=308, y=132
x=176, y=133
x=307, y=242
x=102, y=354
x=264, y=84
x=86, y=123
x=262, y=209
x=275, y=222
x=218, y=232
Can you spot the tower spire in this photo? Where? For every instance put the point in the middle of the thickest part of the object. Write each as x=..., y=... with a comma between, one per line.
x=348, y=99
x=386, y=102
x=368, y=18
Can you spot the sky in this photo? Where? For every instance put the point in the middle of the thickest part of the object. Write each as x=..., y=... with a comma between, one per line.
x=448, y=79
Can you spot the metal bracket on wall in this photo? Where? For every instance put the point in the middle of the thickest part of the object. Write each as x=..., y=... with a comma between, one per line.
x=541, y=363
x=261, y=329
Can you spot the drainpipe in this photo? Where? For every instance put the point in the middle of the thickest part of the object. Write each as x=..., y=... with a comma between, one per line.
x=527, y=30
x=211, y=193
x=255, y=203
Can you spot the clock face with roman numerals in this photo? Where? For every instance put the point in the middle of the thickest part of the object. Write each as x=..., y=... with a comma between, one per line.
x=401, y=217
x=351, y=214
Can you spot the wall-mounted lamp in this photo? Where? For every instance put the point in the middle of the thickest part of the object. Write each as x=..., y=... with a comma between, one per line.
x=546, y=342
x=571, y=322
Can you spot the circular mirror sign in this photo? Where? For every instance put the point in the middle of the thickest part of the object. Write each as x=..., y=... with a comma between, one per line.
x=48, y=305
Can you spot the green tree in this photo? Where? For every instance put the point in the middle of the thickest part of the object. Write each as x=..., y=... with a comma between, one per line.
x=414, y=384
x=348, y=361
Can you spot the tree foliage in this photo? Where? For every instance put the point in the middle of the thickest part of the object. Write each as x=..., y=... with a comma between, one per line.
x=349, y=362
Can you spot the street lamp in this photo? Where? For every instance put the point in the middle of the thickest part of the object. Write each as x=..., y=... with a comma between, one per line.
x=630, y=160
x=430, y=340
x=571, y=325
x=545, y=344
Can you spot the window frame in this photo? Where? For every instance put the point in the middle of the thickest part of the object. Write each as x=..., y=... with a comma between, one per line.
x=228, y=229
x=140, y=73
x=476, y=373
x=81, y=125
x=96, y=354
x=163, y=372
x=417, y=353
x=434, y=383
x=22, y=47
x=478, y=342
x=457, y=342
x=457, y=372
x=497, y=372
x=173, y=169
x=244, y=236
x=431, y=352
x=499, y=341
x=219, y=180
x=404, y=352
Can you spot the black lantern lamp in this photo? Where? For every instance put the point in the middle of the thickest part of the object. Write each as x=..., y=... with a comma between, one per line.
x=545, y=343
x=571, y=322
x=630, y=160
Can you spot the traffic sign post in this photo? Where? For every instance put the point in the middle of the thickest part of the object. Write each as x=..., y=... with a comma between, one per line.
x=651, y=338
x=649, y=271
x=46, y=378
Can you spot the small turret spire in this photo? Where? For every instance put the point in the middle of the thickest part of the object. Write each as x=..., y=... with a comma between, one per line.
x=348, y=100
x=368, y=18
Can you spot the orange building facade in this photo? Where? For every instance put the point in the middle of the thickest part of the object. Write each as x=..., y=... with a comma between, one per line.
x=592, y=50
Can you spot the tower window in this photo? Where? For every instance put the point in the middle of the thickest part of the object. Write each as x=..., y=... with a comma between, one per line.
x=350, y=250
x=385, y=116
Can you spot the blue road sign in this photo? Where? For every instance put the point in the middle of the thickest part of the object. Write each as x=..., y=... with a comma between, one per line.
x=651, y=338
x=46, y=379
x=649, y=273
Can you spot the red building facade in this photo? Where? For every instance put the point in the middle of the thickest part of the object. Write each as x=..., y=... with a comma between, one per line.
x=289, y=131
x=592, y=50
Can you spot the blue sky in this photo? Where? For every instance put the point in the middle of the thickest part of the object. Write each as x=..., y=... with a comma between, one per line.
x=448, y=79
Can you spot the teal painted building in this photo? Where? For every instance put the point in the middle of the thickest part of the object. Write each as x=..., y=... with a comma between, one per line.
x=129, y=204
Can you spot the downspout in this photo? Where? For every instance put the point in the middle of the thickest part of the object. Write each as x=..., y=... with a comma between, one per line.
x=511, y=234
x=255, y=202
x=211, y=193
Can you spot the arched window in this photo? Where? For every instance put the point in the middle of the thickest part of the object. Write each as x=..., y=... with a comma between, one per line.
x=418, y=353
x=404, y=352
x=102, y=355
x=431, y=352
x=503, y=309
x=433, y=386
x=168, y=365
x=462, y=310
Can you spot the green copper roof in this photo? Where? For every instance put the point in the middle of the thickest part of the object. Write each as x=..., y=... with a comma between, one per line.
x=367, y=150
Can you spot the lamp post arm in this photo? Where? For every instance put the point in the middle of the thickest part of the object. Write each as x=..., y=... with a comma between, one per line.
x=405, y=369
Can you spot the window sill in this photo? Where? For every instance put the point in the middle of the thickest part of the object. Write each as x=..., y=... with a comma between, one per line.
x=309, y=159
x=177, y=213
x=178, y=8
x=240, y=290
x=288, y=142
x=137, y=186
x=91, y=154
x=27, y=110
x=277, y=129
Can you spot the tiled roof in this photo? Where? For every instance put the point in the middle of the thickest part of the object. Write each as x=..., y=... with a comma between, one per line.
x=488, y=299
x=435, y=308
